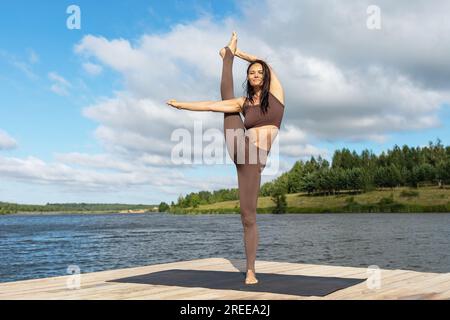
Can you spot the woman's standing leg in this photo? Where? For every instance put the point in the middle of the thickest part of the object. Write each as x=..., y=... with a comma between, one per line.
x=249, y=180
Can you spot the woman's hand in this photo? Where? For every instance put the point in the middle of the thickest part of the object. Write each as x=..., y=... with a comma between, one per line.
x=173, y=103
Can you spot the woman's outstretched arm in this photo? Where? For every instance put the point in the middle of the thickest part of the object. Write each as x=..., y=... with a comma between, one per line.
x=225, y=106
x=275, y=85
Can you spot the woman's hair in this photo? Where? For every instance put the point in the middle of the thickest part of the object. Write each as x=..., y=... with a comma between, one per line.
x=250, y=91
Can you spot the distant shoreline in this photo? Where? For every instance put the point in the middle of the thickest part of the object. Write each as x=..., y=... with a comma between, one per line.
x=38, y=213
x=398, y=200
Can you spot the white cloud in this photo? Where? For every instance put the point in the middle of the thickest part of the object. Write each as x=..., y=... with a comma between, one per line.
x=295, y=143
x=6, y=141
x=57, y=78
x=19, y=64
x=60, y=85
x=143, y=127
x=356, y=104
x=108, y=161
x=92, y=69
x=122, y=176
x=304, y=151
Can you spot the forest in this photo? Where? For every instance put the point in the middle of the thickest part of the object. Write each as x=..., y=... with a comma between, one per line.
x=348, y=172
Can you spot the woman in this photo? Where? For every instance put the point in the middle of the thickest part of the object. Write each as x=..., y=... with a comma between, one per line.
x=263, y=109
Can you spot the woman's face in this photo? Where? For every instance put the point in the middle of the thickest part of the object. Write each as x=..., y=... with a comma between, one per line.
x=255, y=75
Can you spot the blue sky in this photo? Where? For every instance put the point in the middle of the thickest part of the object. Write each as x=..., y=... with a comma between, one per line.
x=28, y=104
x=46, y=88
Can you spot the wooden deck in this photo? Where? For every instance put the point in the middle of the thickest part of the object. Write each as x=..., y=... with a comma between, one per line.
x=219, y=278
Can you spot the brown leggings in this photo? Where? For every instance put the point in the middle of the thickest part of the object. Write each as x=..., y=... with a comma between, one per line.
x=249, y=173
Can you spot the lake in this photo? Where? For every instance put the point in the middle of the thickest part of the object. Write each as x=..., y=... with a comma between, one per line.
x=36, y=246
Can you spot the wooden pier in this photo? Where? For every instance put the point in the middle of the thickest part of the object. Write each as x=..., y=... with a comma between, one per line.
x=219, y=278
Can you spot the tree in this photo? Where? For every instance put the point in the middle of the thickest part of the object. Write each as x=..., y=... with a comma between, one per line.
x=266, y=189
x=424, y=172
x=325, y=182
x=338, y=177
x=443, y=173
x=194, y=200
x=163, y=207
x=308, y=183
x=379, y=177
x=393, y=176
x=279, y=197
x=355, y=179
x=294, y=177
x=345, y=159
x=180, y=201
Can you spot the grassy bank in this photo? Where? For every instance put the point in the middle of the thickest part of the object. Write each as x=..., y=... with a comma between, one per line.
x=403, y=199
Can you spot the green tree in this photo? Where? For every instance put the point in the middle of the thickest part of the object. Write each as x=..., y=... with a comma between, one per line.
x=308, y=182
x=294, y=177
x=443, y=173
x=195, y=200
x=393, y=176
x=163, y=207
x=279, y=198
x=424, y=172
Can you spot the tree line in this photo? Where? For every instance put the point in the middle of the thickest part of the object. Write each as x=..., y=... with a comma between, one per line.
x=6, y=207
x=348, y=171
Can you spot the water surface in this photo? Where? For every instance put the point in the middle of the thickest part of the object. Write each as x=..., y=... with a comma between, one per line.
x=36, y=246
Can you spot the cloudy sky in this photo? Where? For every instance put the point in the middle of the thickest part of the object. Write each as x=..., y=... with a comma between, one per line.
x=83, y=115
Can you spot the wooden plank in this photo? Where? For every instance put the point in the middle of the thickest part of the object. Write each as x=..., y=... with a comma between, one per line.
x=388, y=278
x=444, y=295
x=402, y=287
x=422, y=284
x=443, y=290
x=92, y=280
x=395, y=284
x=105, y=274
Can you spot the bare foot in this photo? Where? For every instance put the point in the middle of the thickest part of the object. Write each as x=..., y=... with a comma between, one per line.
x=232, y=45
x=251, y=278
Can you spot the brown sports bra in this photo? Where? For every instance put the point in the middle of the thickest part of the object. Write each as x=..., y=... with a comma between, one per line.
x=254, y=116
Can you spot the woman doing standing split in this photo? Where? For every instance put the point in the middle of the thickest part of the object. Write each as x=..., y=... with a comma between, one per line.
x=249, y=141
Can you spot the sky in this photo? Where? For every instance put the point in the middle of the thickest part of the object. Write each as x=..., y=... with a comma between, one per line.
x=83, y=115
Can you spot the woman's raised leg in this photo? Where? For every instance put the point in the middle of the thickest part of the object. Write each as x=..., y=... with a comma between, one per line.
x=233, y=127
